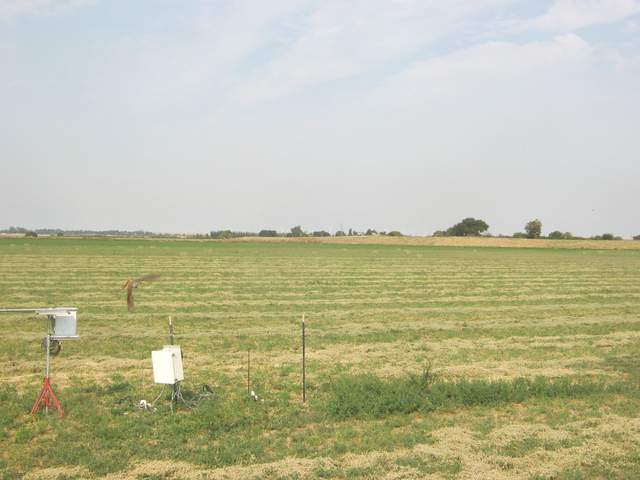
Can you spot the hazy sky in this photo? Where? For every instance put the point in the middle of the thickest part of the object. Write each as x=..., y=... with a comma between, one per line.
x=392, y=114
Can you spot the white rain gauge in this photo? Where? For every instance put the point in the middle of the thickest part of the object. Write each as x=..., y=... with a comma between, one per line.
x=61, y=325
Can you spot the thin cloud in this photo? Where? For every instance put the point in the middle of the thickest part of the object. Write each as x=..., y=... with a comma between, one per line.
x=632, y=26
x=569, y=15
x=16, y=8
x=339, y=40
x=486, y=64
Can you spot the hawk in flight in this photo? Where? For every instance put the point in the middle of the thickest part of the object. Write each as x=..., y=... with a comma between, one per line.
x=131, y=284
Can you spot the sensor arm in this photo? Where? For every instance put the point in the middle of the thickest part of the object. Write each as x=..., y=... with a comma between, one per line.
x=41, y=311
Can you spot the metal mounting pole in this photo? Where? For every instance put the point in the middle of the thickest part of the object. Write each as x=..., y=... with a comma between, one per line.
x=175, y=386
x=47, y=353
x=47, y=345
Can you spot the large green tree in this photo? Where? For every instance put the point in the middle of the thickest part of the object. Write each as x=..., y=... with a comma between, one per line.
x=469, y=227
x=297, y=232
x=533, y=228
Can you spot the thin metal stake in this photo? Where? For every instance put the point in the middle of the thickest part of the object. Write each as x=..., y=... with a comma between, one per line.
x=304, y=366
x=174, y=389
x=248, y=372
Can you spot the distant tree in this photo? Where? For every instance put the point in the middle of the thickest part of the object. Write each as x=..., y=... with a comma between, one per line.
x=221, y=234
x=519, y=235
x=340, y=233
x=533, y=228
x=606, y=236
x=558, y=235
x=298, y=232
x=267, y=233
x=469, y=227
x=321, y=233
x=60, y=234
x=395, y=233
x=350, y=232
x=227, y=234
x=371, y=231
x=30, y=233
x=439, y=233
x=637, y=237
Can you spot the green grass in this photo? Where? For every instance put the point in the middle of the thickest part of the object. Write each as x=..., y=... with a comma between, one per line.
x=538, y=341
x=368, y=396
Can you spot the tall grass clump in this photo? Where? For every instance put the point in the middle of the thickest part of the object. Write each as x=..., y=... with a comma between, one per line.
x=371, y=396
x=368, y=396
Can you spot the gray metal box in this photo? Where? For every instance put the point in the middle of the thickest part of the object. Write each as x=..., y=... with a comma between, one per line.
x=64, y=326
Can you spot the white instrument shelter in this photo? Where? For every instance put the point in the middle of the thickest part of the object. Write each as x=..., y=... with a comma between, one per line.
x=167, y=365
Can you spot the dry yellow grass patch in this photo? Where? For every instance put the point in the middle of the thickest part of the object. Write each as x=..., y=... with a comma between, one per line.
x=461, y=242
x=54, y=473
x=509, y=369
x=517, y=431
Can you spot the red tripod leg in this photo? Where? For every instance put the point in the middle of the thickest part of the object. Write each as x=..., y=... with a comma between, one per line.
x=56, y=402
x=47, y=396
x=36, y=405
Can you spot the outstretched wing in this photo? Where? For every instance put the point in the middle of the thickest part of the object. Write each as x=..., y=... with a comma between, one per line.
x=148, y=278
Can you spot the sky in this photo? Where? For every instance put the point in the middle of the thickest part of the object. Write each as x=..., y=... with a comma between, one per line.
x=191, y=116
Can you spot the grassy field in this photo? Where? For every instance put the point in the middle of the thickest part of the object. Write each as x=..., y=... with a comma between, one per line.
x=423, y=361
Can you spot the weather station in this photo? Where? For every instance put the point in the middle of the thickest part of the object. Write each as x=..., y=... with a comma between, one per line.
x=61, y=325
x=168, y=370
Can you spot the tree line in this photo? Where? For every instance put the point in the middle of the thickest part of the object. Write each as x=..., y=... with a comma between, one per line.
x=299, y=232
x=473, y=227
x=468, y=227
x=80, y=233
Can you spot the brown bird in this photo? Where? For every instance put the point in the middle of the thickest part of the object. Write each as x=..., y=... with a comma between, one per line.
x=131, y=284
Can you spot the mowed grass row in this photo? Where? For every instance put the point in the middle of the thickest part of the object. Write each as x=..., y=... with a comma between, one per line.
x=376, y=313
